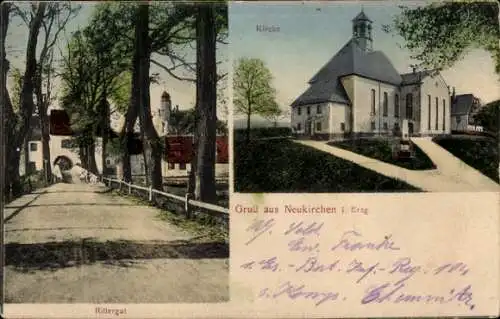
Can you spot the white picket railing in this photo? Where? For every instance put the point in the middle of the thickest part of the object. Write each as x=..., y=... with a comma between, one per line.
x=189, y=204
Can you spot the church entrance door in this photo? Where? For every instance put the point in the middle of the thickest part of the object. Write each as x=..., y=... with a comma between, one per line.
x=308, y=128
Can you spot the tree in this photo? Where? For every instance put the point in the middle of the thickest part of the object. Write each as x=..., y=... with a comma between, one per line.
x=488, y=117
x=202, y=176
x=55, y=19
x=95, y=65
x=5, y=102
x=16, y=126
x=441, y=33
x=253, y=90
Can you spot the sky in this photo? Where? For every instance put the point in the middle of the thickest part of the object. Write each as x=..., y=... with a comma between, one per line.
x=182, y=93
x=309, y=37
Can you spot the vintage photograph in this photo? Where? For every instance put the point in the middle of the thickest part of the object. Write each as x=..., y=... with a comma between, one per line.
x=365, y=97
x=115, y=152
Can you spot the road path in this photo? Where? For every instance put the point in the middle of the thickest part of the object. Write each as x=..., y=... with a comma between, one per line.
x=451, y=174
x=75, y=243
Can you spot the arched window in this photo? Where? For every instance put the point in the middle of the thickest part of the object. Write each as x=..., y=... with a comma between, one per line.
x=429, y=111
x=409, y=106
x=437, y=114
x=396, y=105
x=373, y=102
x=386, y=104
x=444, y=115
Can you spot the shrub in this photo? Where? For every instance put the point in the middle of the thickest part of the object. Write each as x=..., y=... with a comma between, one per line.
x=381, y=150
x=263, y=132
x=480, y=153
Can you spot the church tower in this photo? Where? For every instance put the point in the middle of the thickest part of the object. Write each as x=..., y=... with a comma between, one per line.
x=362, y=32
x=165, y=110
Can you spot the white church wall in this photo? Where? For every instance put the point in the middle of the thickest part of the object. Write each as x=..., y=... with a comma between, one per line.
x=338, y=115
x=435, y=87
x=362, y=109
x=322, y=117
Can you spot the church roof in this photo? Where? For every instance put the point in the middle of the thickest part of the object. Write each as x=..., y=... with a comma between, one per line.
x=462, y=104
x=361, y=16
x=325, y=86
x=165, y=95
x=414, y=77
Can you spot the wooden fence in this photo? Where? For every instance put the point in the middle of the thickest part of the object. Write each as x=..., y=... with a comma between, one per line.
x=171, y=202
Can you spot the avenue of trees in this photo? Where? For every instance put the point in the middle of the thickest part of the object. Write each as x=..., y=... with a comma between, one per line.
x=108, y=63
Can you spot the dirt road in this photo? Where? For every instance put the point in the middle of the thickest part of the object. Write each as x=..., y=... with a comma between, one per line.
x=75, y=243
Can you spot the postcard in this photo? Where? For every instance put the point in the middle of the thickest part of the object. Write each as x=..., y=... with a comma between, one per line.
x=250, y=159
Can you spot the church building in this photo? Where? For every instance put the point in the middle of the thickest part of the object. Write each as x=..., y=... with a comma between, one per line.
x=360, y=93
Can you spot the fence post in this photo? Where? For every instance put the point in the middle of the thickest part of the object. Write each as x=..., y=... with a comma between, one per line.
x=120, y=187
x=150, y=193
x=187, y=208
x=129, y=189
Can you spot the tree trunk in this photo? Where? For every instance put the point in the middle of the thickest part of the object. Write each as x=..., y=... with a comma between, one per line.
x=17, y=131
x=152, y=145
x=203, y=167
x=83, y=157
x=44, y=123
x=26, y=152
x=91, y=158
x=5, y=107
x=248, y=125
x=105, y=131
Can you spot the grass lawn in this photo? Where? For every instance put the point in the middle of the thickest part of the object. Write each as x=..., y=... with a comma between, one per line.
x=282, y=166
x=381, y=150
x=480, y=153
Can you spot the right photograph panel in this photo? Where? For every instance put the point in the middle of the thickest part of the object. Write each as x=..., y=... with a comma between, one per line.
x=345, y=97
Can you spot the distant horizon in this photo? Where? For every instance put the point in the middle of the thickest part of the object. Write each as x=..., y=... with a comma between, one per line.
x=294, y=51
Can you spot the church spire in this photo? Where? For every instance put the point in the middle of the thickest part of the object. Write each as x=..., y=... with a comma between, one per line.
x=362, y=31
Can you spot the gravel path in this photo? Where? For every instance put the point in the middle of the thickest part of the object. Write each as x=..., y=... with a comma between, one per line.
x=74, y=243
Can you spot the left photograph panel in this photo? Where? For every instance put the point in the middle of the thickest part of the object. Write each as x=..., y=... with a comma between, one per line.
x=115, y=145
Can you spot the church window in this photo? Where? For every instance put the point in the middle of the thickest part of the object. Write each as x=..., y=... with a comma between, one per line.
x=342, y=127
x=318, y=108
x=373, y=126
x=299, y=110
x=429, y=111
x=182, y=166
x=308, y=110
x=444, y=115
x=373, y=102
x=409, y=105
x=437, y=112
x=386, y=127
x=386, y=104
x=363, y=30
x=299, y=127
x=318, y=126
x=396, y=105
x=33, y=147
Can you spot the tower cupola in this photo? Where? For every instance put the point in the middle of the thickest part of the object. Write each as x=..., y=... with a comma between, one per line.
x=362, y=31
x=165, y=111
